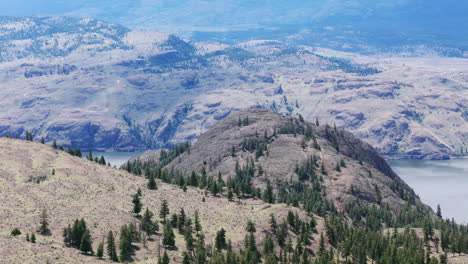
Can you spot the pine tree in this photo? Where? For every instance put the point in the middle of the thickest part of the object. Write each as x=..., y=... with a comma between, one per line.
x=268, y=195
x=100, y=250
x=251, y=227
x=220, y=240
x=86, y=243
x=111, y=249
x=15, y=232
x=164, y=211
x=165, y=259
x=168, y=237
x=186, y=259
x=273, y=224
x=44, y=224
x=126, y=238
x=33, y=238
x=198, y=227
x=439, y=211
x=152, y=183
x=147, y=224
x=136, y=204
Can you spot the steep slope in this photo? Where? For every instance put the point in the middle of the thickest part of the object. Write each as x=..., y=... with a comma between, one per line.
x=276, y=147
x=96, y=85
x=102, y=196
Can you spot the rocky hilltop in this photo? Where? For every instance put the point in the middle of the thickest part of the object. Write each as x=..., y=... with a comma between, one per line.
x=277, y=148
x=92, y=84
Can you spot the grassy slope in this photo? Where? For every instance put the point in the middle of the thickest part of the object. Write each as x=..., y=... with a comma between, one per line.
x=101, y=195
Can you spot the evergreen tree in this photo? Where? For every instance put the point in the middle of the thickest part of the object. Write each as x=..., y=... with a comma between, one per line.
x=33, y=238
x=15, y=232
x=147, y=224
x=439, y=211
x=198, y=227
x=251, y=227
x=152, y=183
x=220, y=240
x=168, y=237
x=165, y=259
x=164, y=211
x=268, y=195
x=44, y=224
x=86, y=243
x=111, y=249
x=126, y=238
x=137, y=204
x=100, y=250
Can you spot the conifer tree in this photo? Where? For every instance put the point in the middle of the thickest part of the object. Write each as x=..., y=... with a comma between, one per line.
x=268, y=195
x=165, y=259
x=251, y=227
x=44, y=223
x=439, y=211
x=100, y=250
x=126, y=238
x=147, y=224
x=86, y=243
x=220, y=240
x=136, y=204
x=33, y=238
x=168, y=237
x=164, y=211
x=111, y=249
x=152, y=183
x=198, y=227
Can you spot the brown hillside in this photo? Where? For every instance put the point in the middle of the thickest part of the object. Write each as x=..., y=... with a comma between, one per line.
x=102, y=196
x=364, y=170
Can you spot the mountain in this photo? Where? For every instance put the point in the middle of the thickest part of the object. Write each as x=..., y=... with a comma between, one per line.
x=256, y=187
x=274, y=148
x=357, y=25
x=95, y=85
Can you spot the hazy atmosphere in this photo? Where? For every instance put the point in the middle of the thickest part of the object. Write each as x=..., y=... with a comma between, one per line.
x=234, y=132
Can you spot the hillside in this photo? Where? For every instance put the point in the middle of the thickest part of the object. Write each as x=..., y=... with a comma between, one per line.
x=103, y=197
x=322, y=195
x=96, y=85
x=275, y=146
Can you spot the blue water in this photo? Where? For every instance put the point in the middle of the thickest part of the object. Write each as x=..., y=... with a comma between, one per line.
x=116, y=158
x=443, y=182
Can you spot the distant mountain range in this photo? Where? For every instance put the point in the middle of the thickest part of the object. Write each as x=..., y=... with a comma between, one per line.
x=92, y=84
x=356, y=25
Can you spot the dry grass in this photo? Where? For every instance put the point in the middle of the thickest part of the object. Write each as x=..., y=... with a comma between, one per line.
x=102, y=196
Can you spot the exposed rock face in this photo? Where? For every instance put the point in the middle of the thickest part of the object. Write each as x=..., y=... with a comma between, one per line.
x=96, y=85
x=219, y=149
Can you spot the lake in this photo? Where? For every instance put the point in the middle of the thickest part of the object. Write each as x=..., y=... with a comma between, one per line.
x=115, y=158
x=443, y=182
